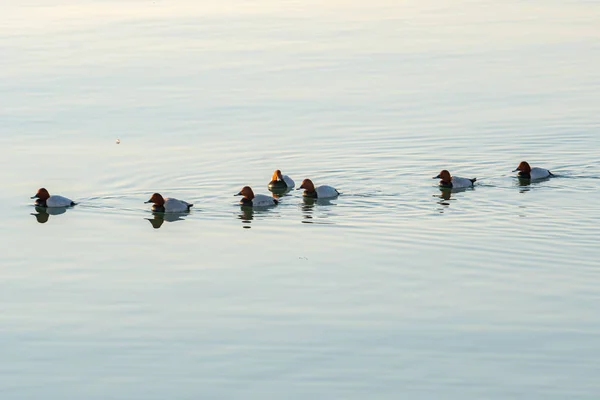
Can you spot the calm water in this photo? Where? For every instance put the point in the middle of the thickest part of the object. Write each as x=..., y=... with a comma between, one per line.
x=390, y=291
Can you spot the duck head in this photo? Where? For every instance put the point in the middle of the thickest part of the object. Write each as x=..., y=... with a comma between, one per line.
x=157, y=199
x=246, y=192
x=277, y=176
x=307, y=185
x=42, y=194
x=444, y=176
x=523, y=167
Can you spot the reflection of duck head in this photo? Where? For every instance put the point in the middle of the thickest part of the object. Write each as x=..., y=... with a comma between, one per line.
x=309, y=202
x=246, y=216
x=445, y=194
x=308, y=206
x=523, y=184
x=157, y=221
x=41, y=215
x=523, y=181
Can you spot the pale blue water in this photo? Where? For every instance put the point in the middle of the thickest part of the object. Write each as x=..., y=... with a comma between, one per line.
x=389, y=291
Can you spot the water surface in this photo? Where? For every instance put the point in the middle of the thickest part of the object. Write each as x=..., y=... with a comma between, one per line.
x=394, y=289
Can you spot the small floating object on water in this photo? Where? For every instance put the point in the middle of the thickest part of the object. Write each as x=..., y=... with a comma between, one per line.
x=319, y=192
x=453, y=182
x=252, y=200
x=43, y=199
x=118, y=141
x=526, y=172
x=162, y=204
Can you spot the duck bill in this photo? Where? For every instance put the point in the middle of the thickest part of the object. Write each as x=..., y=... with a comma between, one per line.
x=515, y=170
x=35, y=197
x=437, y=177
x=149, y=201
x=238, y=194
x=301, y=187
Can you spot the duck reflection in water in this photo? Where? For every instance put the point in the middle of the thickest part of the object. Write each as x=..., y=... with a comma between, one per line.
x=523, y=184
x=246, y=216
x=158, y=218
x=445, y=196
x=278, y=193
x=44, y=213
x=308, y=206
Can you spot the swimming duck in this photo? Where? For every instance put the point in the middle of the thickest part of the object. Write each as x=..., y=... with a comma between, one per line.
x=453, y=182
x=526, y=172
x=168, y=204
x=252, y=200
x=281, y=182
x=320, y=192
x=43, y=199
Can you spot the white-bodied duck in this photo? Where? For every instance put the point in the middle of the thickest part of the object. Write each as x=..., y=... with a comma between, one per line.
x=281, y=182
x=43, y=199
x=255, y=200
x=526, y=172
x=169, y=205
x=319, y=192
x=448, y=181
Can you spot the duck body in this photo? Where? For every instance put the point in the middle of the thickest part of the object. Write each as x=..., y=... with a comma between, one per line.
x=262, y=200
x=55, y=201
x=255, y=200
x=459, y=183
x=168, y=205
x=176, y=206
x=281, y=182
x=454, y=182
x=323, y=192
x=318, y=192
x=526, y=172
x=43, y=199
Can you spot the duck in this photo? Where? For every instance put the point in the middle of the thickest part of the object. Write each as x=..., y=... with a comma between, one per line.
x=43, y=199
x=252, y=200
x=526, y=172
x=281, y=182
x=454, y=182
x=162, y=204
x=319, y=192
